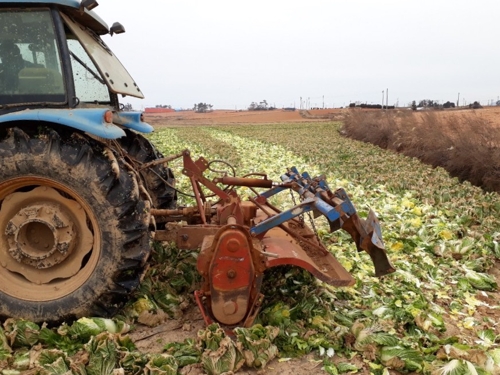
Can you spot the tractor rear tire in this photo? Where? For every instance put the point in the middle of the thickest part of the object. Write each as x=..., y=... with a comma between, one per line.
x=74, y=234
x=159, y=179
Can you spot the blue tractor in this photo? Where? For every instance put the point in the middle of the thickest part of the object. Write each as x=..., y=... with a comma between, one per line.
x=82, y=190
x=75, y=208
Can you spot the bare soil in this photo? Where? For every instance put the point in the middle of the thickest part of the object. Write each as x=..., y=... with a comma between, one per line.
x=226, y=117
x=153, y=340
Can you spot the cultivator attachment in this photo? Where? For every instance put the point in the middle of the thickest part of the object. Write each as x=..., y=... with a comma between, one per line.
x=240, y=240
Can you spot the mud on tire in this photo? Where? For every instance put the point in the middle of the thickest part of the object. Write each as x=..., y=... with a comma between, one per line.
x=74, y=229
x=159, y=179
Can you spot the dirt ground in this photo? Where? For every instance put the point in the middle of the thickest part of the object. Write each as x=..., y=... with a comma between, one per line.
x=153, y=340
x=224, y=117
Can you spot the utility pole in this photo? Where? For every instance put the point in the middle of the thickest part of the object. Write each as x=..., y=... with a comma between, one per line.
x=383, y=96
x=323, y=102
x=387, y=99
x=458, y=101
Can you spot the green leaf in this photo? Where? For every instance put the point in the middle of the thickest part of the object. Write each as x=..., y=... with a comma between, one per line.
x=53, y=362
x=481, y=281
x=22, y=332
x=21, y=360
x=399, y=357
x=185, y=353
x=84, y=328
x=256, y=344
x=161, y=364
x=225, y=359
x=5, y=349
x=103, y=354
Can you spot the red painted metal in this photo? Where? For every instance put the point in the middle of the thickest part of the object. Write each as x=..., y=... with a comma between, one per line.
x=232, y=262
x=227, y=264
x=250, y=182
x=325, y=267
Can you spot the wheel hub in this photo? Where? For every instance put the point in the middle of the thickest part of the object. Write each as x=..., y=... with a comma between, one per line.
x=46, y=235
x=40, y=235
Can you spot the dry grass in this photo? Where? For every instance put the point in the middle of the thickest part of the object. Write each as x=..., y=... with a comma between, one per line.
x=466, y=145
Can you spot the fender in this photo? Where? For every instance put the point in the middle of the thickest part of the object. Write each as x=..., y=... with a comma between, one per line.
x=89, y=120
x=132, y=120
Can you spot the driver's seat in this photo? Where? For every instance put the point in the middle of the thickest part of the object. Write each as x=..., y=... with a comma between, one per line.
x=40, y=81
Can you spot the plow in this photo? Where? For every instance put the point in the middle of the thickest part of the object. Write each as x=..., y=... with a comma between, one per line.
x=239, y=240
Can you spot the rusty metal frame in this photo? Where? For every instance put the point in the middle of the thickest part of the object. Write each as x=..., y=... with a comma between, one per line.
x=274, y=237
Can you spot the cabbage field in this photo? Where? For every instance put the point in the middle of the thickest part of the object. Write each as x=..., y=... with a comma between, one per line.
x=437, y=314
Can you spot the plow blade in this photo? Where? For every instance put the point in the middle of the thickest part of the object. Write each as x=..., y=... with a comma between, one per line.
x=367, y=235
x=280, y=250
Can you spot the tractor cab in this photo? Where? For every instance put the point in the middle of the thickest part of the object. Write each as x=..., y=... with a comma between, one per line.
x=52, y=55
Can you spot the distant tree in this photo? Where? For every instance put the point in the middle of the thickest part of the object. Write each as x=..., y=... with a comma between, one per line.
x=163, y=106
x=414, y=105
x=428, y=103
x=128, y=107
x=262, y=106
x=202, y=107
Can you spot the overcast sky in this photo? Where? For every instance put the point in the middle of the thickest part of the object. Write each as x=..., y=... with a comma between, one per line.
x=230, y=53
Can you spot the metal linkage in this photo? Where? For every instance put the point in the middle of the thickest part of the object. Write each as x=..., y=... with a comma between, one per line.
x=315, y=196
x=336, y=207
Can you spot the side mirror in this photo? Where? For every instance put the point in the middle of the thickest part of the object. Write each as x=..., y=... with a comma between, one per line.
x=88, y=4
x=117, y=28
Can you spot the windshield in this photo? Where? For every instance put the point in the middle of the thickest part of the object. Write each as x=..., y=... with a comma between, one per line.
x=89, y=85
x=105, y=64
x=30, y=64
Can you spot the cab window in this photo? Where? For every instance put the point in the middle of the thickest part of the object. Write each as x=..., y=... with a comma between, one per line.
x=30, y=64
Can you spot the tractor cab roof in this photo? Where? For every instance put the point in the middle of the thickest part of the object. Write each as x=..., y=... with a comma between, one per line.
x=71, y=7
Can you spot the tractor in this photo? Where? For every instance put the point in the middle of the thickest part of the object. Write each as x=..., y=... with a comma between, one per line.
x=83, y=191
